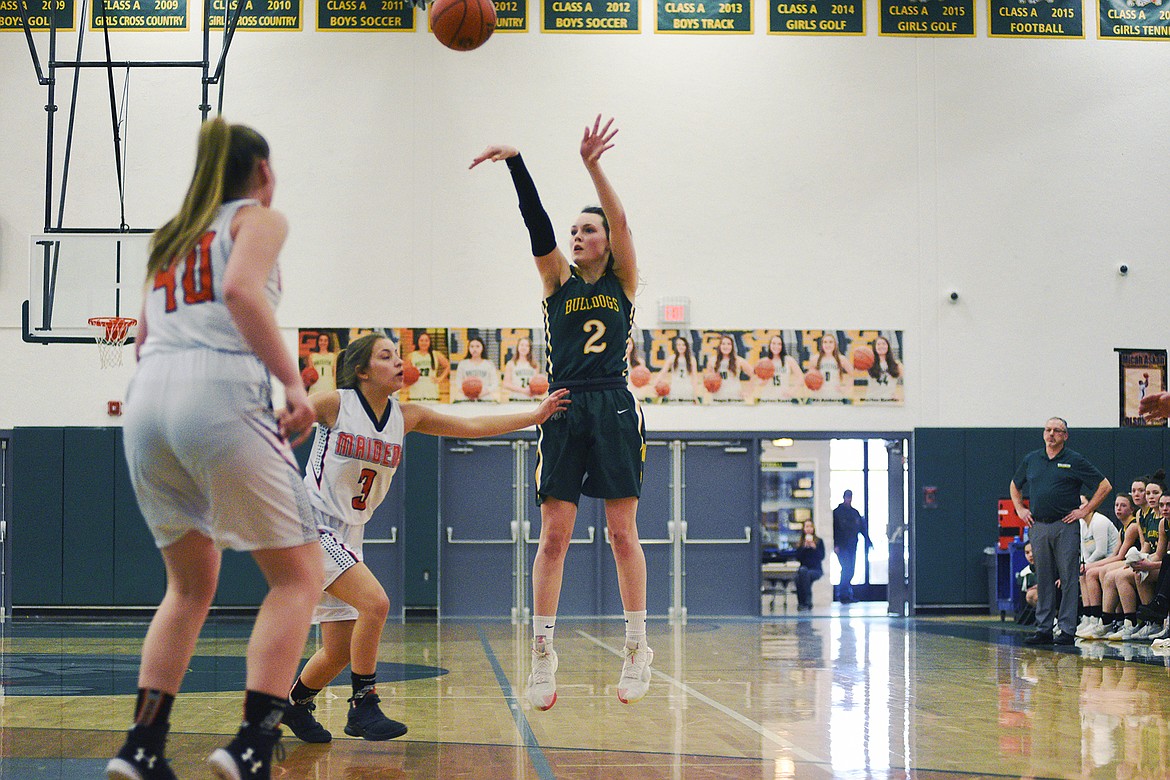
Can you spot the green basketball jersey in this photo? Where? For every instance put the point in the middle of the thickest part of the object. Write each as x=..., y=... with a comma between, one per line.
x=587, y=326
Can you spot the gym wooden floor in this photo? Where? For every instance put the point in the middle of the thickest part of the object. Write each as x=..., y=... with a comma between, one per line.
x=848, y=693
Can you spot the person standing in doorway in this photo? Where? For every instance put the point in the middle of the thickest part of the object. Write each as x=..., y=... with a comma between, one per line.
x=1053, y=478
x=847, y=525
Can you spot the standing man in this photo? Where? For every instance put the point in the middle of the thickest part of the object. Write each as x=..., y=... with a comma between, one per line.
x=1053, y=477
x=847, y=524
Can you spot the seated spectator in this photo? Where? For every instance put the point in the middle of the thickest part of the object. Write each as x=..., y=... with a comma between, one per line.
x=1099, y=537
x=1131, y=584
x=1026, y=615
x=811, y=554
x=1125, y=508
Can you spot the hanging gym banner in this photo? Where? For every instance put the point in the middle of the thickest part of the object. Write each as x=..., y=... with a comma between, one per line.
x=1139, y=20
x=1024, y=19
x=928, y=18
x=1140, y=372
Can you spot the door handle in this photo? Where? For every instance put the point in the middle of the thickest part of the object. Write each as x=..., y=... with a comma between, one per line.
x=747, y=538
x=392, y=540
x=452, y=540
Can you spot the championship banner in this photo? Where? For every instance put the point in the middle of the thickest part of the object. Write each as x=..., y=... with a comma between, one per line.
x=591, y=16
x=260, y=15
x=928, y=18
x=703, y=17
x=511, y=16
x=365, y=15
x=1024, y=19
x=816, y=18
x=153, y=15
x=1133, y=19
x=1141, y=372
x=42, y=15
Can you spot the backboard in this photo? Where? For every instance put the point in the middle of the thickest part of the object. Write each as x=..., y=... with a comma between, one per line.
x=75, y=276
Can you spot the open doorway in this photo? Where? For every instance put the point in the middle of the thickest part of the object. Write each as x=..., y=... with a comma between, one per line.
x=805, y=479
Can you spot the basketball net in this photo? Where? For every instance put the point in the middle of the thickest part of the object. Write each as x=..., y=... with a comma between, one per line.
x=111, y=337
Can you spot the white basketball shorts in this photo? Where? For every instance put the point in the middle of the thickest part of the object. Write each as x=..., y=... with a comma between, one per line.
x=205, y=454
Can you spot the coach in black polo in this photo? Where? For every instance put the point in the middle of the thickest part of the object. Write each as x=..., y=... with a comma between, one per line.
x=1054, y=477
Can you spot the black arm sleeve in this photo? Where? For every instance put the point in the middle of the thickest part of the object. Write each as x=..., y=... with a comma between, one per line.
x=540, y=229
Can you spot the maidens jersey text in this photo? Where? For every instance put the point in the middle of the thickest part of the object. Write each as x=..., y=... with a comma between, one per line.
x=368, y=448
x=584, y=303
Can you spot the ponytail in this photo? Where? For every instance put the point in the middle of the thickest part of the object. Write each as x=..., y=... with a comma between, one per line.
x=225, y=161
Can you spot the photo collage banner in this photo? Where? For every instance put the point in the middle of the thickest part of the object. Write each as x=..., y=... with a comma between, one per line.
x=665, y=366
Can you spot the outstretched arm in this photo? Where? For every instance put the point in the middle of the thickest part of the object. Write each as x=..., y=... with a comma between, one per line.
x=597, y=140
x=550, y=262
x=424, y=419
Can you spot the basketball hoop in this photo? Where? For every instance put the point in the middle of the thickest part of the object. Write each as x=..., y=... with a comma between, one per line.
x=111, y=337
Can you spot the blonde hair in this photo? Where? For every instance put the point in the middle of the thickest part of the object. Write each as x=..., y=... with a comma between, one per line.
x=225, y=161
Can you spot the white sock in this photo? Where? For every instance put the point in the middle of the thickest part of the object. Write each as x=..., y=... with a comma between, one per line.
x=635, y=628
x=543, y=627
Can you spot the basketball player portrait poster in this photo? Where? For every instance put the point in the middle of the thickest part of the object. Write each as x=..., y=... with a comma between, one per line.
x=318, y=352
x=653, y=377
x=426, y=350
x=475, y=364
x=774, y=365
x=522, y=353
x=1140, y=373
x=725, y=366
x=879, y=371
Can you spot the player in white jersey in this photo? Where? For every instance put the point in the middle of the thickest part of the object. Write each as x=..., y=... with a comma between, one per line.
x=433, y=368
x=681, y=372
x=356, y=451
x=786, y=373
x=833, y=366
x=209, y=457
x=475, y=366
x=324, y=362
x=518, y=371
x=885, y=375
x=730, y=367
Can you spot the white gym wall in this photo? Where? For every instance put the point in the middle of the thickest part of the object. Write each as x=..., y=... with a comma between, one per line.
x=775, y=180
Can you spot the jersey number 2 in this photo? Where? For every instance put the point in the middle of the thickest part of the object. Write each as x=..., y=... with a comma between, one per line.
x=594, y=342
x=365, y=484
x=196, y=275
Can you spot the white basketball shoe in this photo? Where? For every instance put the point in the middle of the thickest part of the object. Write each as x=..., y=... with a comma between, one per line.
x=636, y=674
x=542, y=681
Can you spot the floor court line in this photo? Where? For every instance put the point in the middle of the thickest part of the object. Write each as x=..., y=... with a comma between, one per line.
x=763, y=731
x=535, y=754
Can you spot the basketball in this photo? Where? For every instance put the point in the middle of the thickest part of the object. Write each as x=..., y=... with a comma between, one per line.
x=639, y=376
x=309, y=376
x=462, y=25
x=712, y=382
x=765, y=369
x=538, y=385
x=472, y=387
x=409, y=374
x=813, y=379
x=662, y=387
x=863, y=358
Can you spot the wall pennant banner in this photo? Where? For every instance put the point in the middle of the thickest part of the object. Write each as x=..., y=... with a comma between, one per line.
x=1140, y=372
